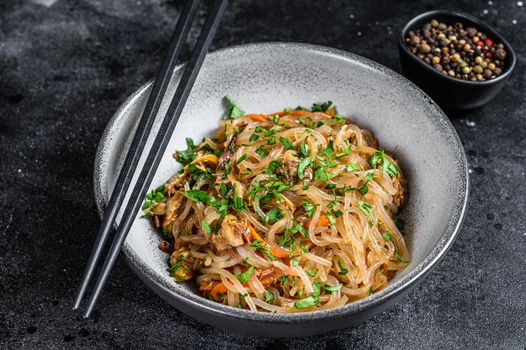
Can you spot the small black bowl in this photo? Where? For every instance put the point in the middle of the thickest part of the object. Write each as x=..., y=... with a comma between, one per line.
x=452, y=93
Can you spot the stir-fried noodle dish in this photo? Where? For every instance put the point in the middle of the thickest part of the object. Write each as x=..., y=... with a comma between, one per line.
x=283, y=212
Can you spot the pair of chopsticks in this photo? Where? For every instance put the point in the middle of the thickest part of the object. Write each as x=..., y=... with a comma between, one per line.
x=159, y=145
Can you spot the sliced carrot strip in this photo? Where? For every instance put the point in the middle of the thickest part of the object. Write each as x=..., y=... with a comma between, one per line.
x=280, y=253
x=257, y=117
x=267, y=281
x=218, y=289
x=299, y=112
x=323, y=220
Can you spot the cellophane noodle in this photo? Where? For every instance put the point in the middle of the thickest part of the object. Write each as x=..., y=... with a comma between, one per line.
x=284, y=212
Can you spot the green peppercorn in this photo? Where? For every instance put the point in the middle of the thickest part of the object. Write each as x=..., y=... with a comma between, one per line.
x=477, y=69
x=478, y=60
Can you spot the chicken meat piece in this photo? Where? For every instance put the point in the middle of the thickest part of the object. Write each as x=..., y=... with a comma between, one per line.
x=230, y=234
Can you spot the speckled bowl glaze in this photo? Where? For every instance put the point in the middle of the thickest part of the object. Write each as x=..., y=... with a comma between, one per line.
x=265, y=78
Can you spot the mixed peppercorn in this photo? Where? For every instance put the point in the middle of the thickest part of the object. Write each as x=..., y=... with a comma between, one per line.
x=457, y=51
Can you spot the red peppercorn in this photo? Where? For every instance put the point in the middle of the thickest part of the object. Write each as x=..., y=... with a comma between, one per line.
x=480, y=43
x=488, y=54
x=488, y=42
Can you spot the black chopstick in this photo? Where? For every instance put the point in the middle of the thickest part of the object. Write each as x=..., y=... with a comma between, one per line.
x=141, y=135
x=160, y=143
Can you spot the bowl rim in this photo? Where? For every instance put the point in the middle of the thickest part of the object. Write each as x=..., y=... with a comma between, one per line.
x=148, y=275
x=461, y=16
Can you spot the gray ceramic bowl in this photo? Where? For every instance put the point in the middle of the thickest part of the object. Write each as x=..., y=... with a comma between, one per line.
x=265, y=78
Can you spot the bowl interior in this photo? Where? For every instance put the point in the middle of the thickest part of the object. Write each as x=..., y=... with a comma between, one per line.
x=268, y=77
x=450, y=17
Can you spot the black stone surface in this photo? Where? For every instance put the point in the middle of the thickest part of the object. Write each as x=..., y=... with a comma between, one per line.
x=65, y=66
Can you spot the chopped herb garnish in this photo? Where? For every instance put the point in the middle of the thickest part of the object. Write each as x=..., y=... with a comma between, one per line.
x=233, y=110
x=333, y=288
x=387, y=235
x=332, y=221
x=253, y=137
x=366, y=208
x=379, y=159
x=221, y=206
x=197, y=196
x=370, y=290
x=364, y=188
x=153, y=198
x=238, y=201
x=206, y=227
x=338, y=118
x=283, y=280
x=345, y=152
x=228, y=169
x=314, y=299
x=295, y=262
x=301, y=167
x=273, y=215
x=242, y=158
x=209, y=229
x=173, y=268
x=321, y=174
x=306, y=302
x=304, y=149
x=321, y=107
x=343, y=270
x=329, y=151
x=244, y=261
x=187, y=156
x=275, y=119
x=245, y=276
x=400, y=224
x=269, y=296
x=223, y=190
x=336, y=213
x=400, y=258
x=352, y=167
x=258, y=244
x=261, y=151
x=311, y=273
x=272, y=166
x=286, y=143
x=309, y=208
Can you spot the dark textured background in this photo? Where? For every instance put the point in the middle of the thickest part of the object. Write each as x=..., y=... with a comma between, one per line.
x=65, y=66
